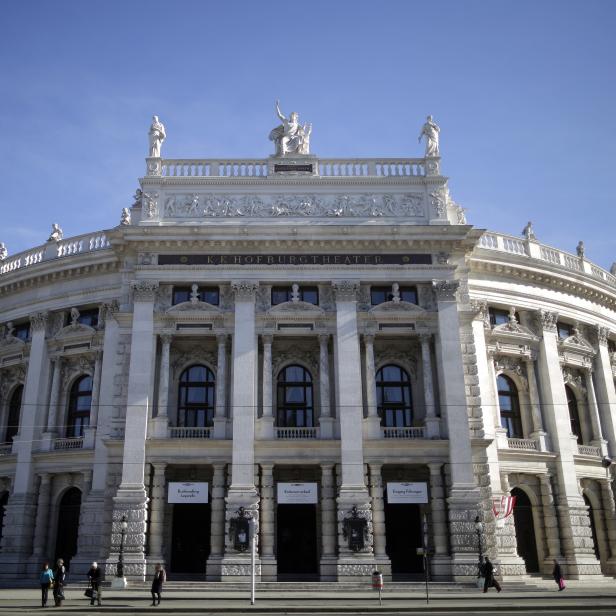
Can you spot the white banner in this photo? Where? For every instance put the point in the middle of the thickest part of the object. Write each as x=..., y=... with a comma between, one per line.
x=296, y=493
x=410, y=492
x=192, y=492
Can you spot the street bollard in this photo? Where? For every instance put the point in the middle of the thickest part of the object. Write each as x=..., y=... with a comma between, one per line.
x=377, y=583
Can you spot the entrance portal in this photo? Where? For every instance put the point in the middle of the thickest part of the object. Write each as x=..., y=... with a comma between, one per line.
x=296, y=542
x=403, y=535
x=190, y=544
x=525, y=530
x=68, y=526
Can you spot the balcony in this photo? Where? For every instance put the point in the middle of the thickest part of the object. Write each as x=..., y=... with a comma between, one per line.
x=525, y=444
x=404, y=433
x=6, y=449
x=589, y=450
x=63, y=444
x=297, y=433
x=189, y=433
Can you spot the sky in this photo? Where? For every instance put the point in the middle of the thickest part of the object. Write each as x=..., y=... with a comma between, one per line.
x=524, y=92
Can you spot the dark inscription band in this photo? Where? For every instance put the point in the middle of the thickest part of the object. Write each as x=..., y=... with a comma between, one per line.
x=304, y=168
x=316, y=259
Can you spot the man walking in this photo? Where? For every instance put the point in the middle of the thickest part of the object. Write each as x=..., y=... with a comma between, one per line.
x=490, y=580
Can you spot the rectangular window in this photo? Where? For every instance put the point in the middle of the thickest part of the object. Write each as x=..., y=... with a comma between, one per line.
x=611, y=346
x=498, y=316
x=22, y=331
x=88, y=317
x=564, y=330
x=211, y=295
x=309, y=295
x=378, y=295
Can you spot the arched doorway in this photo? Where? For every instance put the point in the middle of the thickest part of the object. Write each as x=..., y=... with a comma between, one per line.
x=525, y=530
x=593, y=528
x=4, y=499
x=68, y=525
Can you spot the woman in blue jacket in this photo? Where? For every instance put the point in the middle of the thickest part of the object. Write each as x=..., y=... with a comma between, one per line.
x=46, y=580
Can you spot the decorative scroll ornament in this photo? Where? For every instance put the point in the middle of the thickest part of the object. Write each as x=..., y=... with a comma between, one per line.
x=244, y=290
x=546, y=320
x=445, y=290
x=39, y=321
x=439, y=202
x=144, y=290
x=345, y=290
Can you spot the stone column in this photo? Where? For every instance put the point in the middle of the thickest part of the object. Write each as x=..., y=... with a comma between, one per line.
x=431, y=422
x=440, y=560
x=609, y=515
x=538, y=434
x=328, y=524
x=378, y=519
x=353, y=491
x=266, y=424
x=326, y=421
x=593, y=411
x=242, y=492
x=217, y=533
x=464, y=497
x=157, y=515
x=90, y=431
x=373, y=421
x=220, y=417
x=579, y=558
x=502, y=440
x=268, y=503
x=39, y=554
x=550, y=521
x=161, y=421
x=51, y=433
x=606, y=392
x=131, y=497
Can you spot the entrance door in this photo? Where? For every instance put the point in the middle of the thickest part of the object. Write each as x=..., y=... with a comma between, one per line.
x=68, y=526
x=296, y=542
x=525, y=530
x=190, y=545
x=403, y=535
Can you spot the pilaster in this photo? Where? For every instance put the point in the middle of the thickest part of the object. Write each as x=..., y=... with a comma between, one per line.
x=440, y=561
x=606, y=392
x=157, y=515
x=328, y=524
x=268, y=503
x=266, y=421
x=220, y=418
x=217, y=535
x=378, y=519
x=161, y=420
x=432, y=422
x=372, y=423
x=326, y=421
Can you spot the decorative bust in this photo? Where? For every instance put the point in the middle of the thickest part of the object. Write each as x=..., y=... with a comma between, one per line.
x=56, y=233
x=74, y=316
x=295, y=292
x=157, y=135
x=430, y=130
x=125, y=220
x=290, y=137
x=4, y=253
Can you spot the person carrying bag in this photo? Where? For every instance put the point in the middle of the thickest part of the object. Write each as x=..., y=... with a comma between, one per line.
x=46, y=582
x=95, y=576
x=60, y=579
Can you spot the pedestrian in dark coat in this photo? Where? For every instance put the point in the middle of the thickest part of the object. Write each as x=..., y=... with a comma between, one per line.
x=157, y=583
x=95, y=577
x=45, y=580
x=59, y=576
x=557, y=574
x=490, y=580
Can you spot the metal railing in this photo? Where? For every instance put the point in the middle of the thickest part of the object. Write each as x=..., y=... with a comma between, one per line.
x=407, y=433
x=181, y=432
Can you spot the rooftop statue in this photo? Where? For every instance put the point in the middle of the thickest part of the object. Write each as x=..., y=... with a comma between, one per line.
x=528, y=232
x=4, y=253
x=430, y=130
x=157, y=136
x=290, y=137
x=56, y=233
x=580, y=249
x=125, y=220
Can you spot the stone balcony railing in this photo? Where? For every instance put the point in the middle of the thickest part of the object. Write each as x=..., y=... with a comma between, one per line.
x=80, y=244
x=534, y=250
x=297, y=433
x=589, y=450
x=405, y=433
x=525, y=444
x=61, y=444
x=191, y=433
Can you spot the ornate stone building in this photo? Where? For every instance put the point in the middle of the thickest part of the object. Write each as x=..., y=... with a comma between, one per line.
x=323, y=346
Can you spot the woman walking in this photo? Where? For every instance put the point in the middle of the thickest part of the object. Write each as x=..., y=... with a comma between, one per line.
x=46, y=580
x=557, y=574
x=157, y=583
x=59, y=575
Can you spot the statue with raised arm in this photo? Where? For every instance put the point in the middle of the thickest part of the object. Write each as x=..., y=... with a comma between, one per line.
x=157, y=135
x=4, y=253
x=290, y=137
x=430, y=130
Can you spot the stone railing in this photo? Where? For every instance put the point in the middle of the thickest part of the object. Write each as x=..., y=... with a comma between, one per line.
x=330, y=167
x=68, y=443
x=403, y=433
x=80, y=244
x=176, y=432
x=533, y=249
x=6, y=449
x=297, y=433
x=526, y=444
x=589, y=450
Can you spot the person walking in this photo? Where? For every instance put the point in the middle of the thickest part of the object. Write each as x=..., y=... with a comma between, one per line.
x=557, y=574
x=59, y=576
x=46, y=581
x=490, y=580
x=95, y=577
x=157, y=583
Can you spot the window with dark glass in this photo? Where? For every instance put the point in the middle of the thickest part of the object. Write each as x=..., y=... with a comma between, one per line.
x=22, y=331
x=306, y=294
x=611, y=346
x=196, y=399
x=378, y=295
x=509, y=404
x=393, y=395
x=79, y=405
x=86, y=317
x=574, y=414
x=498, y=316
x=211, y=295
x=294, y=400
x=564, y=330
x=12, y=422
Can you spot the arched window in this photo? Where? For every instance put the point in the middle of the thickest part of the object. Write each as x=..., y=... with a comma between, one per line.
x=295, y=406
x=574, y=415
x=509, y=404
x=196, y=399
x=12, y=422
x=79, y=404
x=393, y=395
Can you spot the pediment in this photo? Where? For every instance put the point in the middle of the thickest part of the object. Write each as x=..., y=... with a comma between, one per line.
x=74, y=330
x=400, y=306
x=293, y=307
x=191, y=306
x=513, y=330
x=12, y=341
x=578, y=343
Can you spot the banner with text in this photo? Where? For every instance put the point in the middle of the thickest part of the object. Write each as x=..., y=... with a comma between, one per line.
x=192, y=492
x=410, y=492
x=296, y=493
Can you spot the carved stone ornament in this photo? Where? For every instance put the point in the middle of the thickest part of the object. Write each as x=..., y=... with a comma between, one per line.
x=10, y=377
x=83, y=364
x=144, y=290
x=345, y=290
x=75, y=328
x=573, y=377
x=408, y=361
x=509, y=364
x=125, y=218
x=546, y=320
x=39, y=321
x=445, y=290
x=603, y=333
x=479, y=309
x=439, y=202
x=146, y=258
x=297, y=306
x=149, y=205
x=109, y=310
x=367, y=205
x=577, y=341
x=305, y=358
x=193, y=355
x=244, y=290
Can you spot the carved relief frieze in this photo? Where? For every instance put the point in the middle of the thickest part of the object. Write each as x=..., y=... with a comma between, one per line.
x=189, y=355
x=307, y=358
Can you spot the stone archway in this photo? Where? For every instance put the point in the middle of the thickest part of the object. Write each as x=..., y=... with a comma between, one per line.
x=68, y=525
x=525, y=530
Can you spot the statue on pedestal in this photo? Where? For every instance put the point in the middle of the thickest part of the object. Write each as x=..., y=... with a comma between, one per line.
x=157, y=136
x=290, y=137
x=125, y=220
x=56, y=233
x=430, y=130
x=528, y=231
x=4, y=253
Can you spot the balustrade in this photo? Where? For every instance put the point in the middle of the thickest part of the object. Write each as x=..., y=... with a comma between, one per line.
x=68, y=443
x=522, y=443
x=589, y=450
x=191, y=433
x=297, y=433
x=405, y=433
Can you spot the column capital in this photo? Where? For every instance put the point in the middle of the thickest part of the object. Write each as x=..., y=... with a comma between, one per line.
x=267, y=338
x=479, y=309
x=345, y=290
x=546, y=320
x=159, y=468
x=108, y=310
x=425, y=338
x=166, y=338
x=435, y=467
x=603, y=334
x=244, y=290
x=144, y=290
x=221, y=339
x=368, y=339
x=324, y=339
x=45, y=478
x=267, y=468
x=38, y=321
x=445, y=290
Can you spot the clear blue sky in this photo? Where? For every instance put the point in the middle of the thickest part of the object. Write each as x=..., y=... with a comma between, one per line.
x=524, y=92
